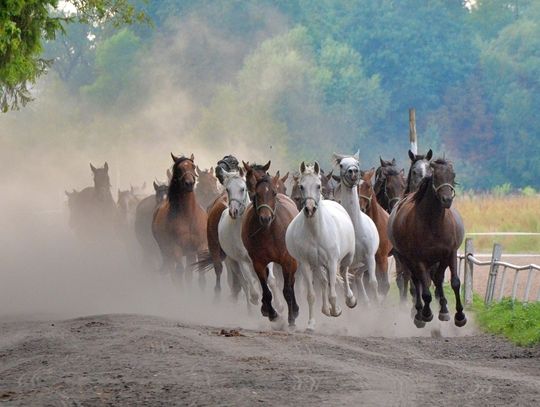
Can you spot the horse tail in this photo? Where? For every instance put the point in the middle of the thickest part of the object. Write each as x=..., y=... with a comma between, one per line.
x=204, y=262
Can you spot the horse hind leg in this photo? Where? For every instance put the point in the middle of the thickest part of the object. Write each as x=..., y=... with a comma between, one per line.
x=350, y=299
x=288, y=293
x=266, y=308
x=381, y=272
x=371, y=269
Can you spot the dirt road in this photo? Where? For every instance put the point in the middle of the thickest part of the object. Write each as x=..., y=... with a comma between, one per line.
x=138, y=360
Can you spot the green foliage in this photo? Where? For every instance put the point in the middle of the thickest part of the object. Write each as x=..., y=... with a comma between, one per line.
x=517, y=321
x=26, y=24
x=502, y=190
x=528, y=191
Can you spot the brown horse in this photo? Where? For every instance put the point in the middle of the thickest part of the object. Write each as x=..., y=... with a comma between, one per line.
x=370, y=206
x=179, y=223
x=389, y=184
x=263, y=235
x=426, y=232
x=207, y=189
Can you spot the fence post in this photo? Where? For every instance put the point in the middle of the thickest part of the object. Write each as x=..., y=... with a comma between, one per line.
x=493, y=270
x=468, y=272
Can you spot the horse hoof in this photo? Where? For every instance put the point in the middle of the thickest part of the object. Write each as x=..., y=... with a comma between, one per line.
x=351, y=302
x=427, y=318
x=444, y=316
x=337, y=313
x=460, y=322
x=254, y=300
x=273, y=316
x=310, y=330
x=419, y=323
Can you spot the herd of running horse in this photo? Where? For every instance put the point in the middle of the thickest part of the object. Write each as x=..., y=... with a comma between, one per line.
x=337, y=229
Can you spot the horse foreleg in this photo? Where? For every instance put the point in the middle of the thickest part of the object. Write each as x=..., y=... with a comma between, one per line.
x=444, y=315
x=266, y=309
x=350, y=299
x=425, y=281
x=358, y=278
x=249, y=276
x=371, y=269
x=335, y=310
x=418, y=302
x=307, y=274
x=459, y=319
x=381, y=272
x=233, y=280
x=272, y=283
x=218, y=269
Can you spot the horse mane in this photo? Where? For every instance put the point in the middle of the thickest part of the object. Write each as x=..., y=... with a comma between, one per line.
x=423, y=187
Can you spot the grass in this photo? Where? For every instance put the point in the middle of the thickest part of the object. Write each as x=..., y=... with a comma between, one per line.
x=518, y=322
x=513, y=213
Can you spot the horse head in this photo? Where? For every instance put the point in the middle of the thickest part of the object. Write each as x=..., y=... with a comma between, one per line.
x=296, y=196
x=254, y=172
x=228, y=163
x=365, y=190
x=443, y=181
x=265, y=200
x=183, y=173
x=161, y=189
x=418, y=170
x=101, y=177
x=237, y=194
x=349, y=169
x=310, y=188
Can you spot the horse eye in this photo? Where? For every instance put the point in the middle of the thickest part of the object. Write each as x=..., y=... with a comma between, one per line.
x=301, y=187
x=242, y=190
x=318, y=187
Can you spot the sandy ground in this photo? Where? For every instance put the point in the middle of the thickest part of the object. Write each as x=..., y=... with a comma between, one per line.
x=84, y=325
x=137, y=360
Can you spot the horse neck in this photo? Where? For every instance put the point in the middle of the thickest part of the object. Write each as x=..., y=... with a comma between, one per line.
x=429, y=207
x=374, y=207
x=104, y=194
x=350, y=201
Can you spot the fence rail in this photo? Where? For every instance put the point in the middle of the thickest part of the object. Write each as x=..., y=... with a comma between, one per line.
x=467, y=261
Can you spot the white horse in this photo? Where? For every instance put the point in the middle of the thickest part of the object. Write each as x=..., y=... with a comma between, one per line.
x=366, y=235
x=321, y=239
x=230, y=239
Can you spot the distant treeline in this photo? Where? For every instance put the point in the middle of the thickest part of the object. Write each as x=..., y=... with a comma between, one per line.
x=309, y=77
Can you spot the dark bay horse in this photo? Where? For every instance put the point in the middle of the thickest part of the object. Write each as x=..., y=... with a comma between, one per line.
x=179, y=223
x=370, y=206
x=389, y=184
x=263, y=235
x=426, y=232
x=143, y=223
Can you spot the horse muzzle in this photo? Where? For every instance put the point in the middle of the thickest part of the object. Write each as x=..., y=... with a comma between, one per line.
x=446, y=201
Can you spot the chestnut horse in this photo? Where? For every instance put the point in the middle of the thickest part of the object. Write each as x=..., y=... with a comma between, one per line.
x=263, y=235
x=426, y=232
x=370, y=206
x=179, y=223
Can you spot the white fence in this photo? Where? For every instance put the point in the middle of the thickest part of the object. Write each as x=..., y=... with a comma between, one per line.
x=497, y=281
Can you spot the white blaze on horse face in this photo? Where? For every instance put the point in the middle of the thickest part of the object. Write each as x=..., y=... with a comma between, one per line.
x=310, y=188
x=237, y=194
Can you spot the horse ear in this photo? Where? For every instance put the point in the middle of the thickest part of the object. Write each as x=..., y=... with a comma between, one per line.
x=302, y=167
x=106, y=166
x=241, y=172
x=211, y=169
x=197, y=170
x=371, y=172
x=329, y=176
x=284, y=178
x=277, y=174
x=316, y=168
x=336, y=178
x=267, y=166
x=93, y=168
x=393, y=161
x=67, y=194
x=192, y=157
x=155, y=186
x=169, y=174
x=382, y=161
x=337, y=157
x=174, y=158
x=429, y=155
x=411, y=155
x=246, y=166
x=356, y=155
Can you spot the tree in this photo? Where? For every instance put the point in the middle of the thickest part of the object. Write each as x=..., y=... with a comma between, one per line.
x=26, y=24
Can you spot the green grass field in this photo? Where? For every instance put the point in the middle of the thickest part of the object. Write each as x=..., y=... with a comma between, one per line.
x=513, y=213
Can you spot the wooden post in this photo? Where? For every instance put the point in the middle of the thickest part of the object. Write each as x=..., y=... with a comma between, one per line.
x=468, y=274
x=412, y=131
x=493, y=270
